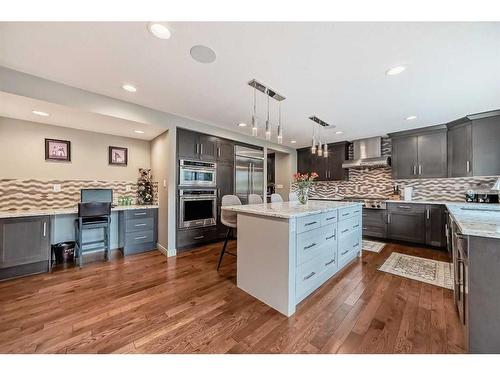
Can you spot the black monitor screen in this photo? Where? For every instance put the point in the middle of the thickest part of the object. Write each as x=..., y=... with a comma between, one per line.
x=96, y=195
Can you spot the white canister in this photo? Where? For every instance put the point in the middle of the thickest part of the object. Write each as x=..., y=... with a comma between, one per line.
x=408, y=193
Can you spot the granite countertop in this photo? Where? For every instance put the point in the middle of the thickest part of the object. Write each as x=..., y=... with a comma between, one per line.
x=476, y=219
x=63, y=211
x=289, y=210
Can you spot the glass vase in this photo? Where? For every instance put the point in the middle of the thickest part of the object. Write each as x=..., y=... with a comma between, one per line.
x=303, y=195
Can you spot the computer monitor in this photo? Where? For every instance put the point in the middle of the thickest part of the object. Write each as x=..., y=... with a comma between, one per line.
x=96, y=195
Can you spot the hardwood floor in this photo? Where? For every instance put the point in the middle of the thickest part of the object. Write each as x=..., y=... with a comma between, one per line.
x=150, y=304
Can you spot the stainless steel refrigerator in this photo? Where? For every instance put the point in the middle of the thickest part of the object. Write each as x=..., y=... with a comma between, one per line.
x=249, y=172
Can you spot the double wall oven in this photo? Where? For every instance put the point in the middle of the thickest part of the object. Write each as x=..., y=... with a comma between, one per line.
x=197, y=194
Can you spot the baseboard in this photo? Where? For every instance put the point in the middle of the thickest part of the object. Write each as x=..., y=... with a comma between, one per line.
x=165, y=251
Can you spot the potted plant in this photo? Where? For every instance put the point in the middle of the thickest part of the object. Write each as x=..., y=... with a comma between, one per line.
x=304, y=182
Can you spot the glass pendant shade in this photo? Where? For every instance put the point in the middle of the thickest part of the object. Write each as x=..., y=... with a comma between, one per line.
x=254, y=125
x=325, y=150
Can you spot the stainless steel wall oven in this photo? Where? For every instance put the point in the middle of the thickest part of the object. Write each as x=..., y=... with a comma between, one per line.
x=197, y=208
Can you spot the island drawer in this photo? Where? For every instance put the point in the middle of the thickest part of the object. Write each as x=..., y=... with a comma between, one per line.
x=329, y=217
x=307, y=223
x=349, y=225
x=307, y=277
x=315, y=242
x=138, y=225
x=348, y=247
x=139, y=213
x=348, y=212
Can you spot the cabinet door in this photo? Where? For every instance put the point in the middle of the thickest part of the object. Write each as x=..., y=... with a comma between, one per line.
x=435, y=225
x=187, y=144
x=460, y=151
x=318, y=165
x=225, y=151
x=407, y=226
x=304, y=160
x=337, y=154
x=404, y=157
x=486, y=146
x=225, y=186
x=208, y=147
x=432, y=155
x=271, y=162
x=24, y=241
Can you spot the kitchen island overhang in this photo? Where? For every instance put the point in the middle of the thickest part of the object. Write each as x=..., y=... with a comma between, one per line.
x=287, y=250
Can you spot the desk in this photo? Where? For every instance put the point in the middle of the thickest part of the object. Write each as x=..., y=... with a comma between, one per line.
x=26, y=236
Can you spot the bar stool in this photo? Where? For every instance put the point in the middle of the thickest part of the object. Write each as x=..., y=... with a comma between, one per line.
x=229, y=219
x=276, y=198
x=292, y=197
x=254, y=199
x=92, y=215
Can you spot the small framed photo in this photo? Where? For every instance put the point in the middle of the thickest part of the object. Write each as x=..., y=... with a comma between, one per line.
x=57, y=150
x=118, y=155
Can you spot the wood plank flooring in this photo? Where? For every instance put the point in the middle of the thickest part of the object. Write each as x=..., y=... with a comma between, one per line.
x=150, y=304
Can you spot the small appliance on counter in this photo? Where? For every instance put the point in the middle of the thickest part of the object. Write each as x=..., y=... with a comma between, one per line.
x=482, y=196
x=408, y=193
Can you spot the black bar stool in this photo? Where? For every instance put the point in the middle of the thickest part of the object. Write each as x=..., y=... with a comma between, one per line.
x=93, y=215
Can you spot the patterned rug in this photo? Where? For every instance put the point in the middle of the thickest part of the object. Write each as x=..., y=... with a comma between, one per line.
x=374, y=246
x=425, y=270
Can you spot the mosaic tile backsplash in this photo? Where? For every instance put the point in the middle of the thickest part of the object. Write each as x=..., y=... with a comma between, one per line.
x=378, y=183
x=17, y=194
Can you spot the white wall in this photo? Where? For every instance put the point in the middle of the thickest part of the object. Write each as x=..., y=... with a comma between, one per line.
x=160, y=172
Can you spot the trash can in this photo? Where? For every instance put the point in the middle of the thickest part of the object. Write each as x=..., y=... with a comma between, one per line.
x=64, y=252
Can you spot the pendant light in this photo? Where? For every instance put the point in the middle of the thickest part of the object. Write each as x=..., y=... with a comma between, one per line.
x=255, y=129
x=325, y=150
x=320, y=147
x=268, y=124
x=313, y=148
x=280, y=127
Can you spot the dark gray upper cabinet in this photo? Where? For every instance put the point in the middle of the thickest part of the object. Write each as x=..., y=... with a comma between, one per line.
x=193, y=145
x=271, y=165
x=473, y=145
x=420, y=153
x=225, y=151
x=24, y=240
x=329, y=168
x=404, y=157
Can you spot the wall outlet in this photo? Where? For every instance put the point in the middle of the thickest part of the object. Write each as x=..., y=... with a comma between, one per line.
x=279, y=186
x=127, y=188
x=56, y=188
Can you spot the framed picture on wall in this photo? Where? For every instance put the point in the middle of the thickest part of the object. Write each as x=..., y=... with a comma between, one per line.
x=57, y=150
x=118, y=155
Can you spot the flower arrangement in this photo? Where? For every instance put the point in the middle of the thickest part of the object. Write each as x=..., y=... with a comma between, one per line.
x=145, y=188
x=304, y=182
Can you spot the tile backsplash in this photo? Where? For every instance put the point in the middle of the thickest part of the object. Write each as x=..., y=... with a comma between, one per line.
x=378, y=183
x=18, y=194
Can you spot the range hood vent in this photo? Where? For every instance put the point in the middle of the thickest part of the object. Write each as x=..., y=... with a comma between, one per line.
x=368, y=153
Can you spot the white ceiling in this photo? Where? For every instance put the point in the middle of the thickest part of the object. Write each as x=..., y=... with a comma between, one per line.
x=333, y=70
x=20, y=107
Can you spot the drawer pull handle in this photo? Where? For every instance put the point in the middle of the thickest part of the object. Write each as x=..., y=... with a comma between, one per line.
x=344, y=231
x=365, y=215
x=310, y=275
x=355, y=212
x=330, y=237
x=330, y=262
x=140, y=238
x=345, y=252
x=309, y=246
x=140, y=225
x=311, y=223
x=347, y=213
x=405, y=207
x=331, y=218
x=139, y=213
x=198, y=238
x=356, y=245
x=355, y=226
x=365, y=228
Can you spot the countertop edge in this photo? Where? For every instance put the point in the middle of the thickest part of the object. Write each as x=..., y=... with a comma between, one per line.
x=66, y=211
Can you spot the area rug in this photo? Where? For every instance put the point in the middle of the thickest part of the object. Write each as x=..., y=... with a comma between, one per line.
x=425, y=270
x=374, y=246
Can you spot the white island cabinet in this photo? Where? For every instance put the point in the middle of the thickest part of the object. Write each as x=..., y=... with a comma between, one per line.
x=287, y=250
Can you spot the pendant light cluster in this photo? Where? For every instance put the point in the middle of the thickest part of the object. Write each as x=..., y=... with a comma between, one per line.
x=319, y=147
x=270, y=94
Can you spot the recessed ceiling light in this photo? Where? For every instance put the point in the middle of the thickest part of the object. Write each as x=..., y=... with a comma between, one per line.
x=242, y=124
x=339, y=132
x=129, y=88
x=411, y=118
x=396, y=70
x=159, y=30
x=40, y=113
x=294, y=141
x=139, y=131
x=203, y=54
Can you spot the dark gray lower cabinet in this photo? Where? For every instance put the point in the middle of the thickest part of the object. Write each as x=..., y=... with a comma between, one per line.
x=138, y=230
x=189, y=238
x=435, y=217
x=374, y=223
x=24, y=246
x=406, y=222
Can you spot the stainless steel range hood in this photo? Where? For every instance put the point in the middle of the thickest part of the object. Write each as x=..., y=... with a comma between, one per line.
x=368, y=153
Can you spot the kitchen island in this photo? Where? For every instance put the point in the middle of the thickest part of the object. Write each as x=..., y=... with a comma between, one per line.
x=287, y=250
